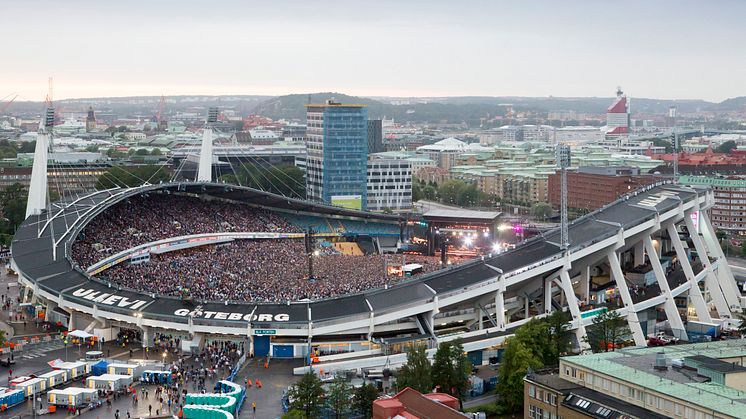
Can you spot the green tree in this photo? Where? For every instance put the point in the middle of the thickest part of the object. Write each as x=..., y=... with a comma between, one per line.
x=92, y=148
x=742, y=326
x=293, y=414
x=726, y=147
x=743, y=248
x=339, y=397
x=541, y=210
x=156, y=152
x=607, y=332
x=451, y=369
x=307, y=395
x=417, y=192
x=142, y=152
x=468, y=196
x=517, y=360
x=660, y=142
x=416, y=373
x=449, y=191
x=430, y=193
x=13, y=204
x=363, y=399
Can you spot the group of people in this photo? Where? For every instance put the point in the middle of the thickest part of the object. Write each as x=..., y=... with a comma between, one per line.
x=147, y=218
x=246, y=270
x=267, y=270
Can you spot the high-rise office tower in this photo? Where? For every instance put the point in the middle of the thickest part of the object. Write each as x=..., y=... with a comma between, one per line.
x=337, y=154
x=375, y=136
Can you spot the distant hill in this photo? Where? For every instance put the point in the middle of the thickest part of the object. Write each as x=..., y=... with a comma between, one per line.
x=293, y=107
x=454, y=110
x=467, y=109
x=732, y=104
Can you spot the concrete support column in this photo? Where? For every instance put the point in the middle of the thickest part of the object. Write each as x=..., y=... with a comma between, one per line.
x=51, y=305
x=547, y=295
x=478, y=316
x=725, y=275
x=585, y=284
x=703, y=314
x=572, y=303
x=500, y=308
x=147, y=337
x=525, y=307
x=73, y=323
x=632, y=320
x=672, y=313
x=639, y=251
x=711, y=281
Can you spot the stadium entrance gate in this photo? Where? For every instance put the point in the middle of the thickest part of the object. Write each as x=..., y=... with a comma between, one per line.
x=261, y=345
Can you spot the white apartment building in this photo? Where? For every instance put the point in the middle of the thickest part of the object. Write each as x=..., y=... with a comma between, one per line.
x=389, y=181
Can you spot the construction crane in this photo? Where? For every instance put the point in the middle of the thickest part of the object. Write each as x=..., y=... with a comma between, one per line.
x=5, y=107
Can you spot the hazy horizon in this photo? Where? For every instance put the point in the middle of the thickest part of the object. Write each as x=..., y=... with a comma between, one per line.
x=663, y=50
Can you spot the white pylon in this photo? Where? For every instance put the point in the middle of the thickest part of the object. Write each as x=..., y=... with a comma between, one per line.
x=205, y=157
x=37, y=191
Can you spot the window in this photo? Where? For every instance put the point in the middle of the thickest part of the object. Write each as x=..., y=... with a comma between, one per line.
x=531, y=390
x=535, y=412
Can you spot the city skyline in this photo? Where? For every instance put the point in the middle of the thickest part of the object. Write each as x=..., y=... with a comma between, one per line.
x=658, y=50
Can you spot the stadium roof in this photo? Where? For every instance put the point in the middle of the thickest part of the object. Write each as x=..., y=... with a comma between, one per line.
x=434, y=211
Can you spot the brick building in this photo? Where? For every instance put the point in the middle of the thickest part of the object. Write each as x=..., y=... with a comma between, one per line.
x=590, y=188
x=729, y=212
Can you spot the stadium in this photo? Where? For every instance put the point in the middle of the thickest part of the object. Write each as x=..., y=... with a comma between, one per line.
x=115, y=259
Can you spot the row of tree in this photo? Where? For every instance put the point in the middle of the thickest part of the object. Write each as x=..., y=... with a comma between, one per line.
x=541, y=342
x=309, y=399
x=449, y=372
x=9, y=150
x=452, y=192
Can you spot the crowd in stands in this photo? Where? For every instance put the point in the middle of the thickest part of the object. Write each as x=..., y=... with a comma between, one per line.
x=266, y=270
x=259, y=271
x=142, y=219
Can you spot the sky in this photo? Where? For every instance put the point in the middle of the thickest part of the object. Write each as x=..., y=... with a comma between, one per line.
x=656, y=49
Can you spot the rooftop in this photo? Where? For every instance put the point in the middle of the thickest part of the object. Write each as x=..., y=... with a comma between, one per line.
x=635, y=366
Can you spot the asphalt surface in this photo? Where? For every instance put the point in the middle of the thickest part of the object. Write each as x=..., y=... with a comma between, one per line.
x=268, y=398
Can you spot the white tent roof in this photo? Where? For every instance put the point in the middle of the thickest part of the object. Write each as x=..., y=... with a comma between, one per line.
x=80, y=334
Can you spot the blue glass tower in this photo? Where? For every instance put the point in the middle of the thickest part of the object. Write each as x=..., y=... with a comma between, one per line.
x=337, y=158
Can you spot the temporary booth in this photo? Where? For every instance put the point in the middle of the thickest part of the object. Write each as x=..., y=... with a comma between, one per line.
x=113, y=382
x=32, y=386
x=54, y=377
x=74, y=369
x=10, y=397
x=99, y=368
x=73, y=396
x=125, y=369
x=156, y=377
